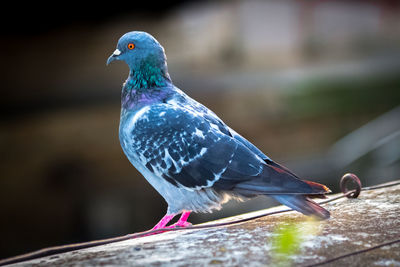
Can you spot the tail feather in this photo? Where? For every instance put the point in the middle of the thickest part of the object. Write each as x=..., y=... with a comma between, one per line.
x=303, y=204
x=283, y=185
x=319, y=190
x=318, y=187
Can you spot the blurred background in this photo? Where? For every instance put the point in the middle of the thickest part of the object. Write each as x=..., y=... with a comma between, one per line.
x=314, y=84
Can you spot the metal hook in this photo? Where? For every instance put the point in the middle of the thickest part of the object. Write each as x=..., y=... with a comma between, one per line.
x=345, y=180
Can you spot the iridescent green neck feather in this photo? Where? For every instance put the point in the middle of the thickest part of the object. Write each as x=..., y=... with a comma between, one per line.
x=150, y=73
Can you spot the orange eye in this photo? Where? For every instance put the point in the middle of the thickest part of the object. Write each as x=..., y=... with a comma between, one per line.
x=131, y=46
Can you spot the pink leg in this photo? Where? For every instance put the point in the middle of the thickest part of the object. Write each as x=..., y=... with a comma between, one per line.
x=164, y=221
x=182, y=222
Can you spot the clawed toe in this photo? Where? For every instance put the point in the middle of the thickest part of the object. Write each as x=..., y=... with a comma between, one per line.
x=180, y=225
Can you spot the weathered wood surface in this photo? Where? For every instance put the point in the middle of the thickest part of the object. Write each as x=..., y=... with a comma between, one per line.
x=355, y=224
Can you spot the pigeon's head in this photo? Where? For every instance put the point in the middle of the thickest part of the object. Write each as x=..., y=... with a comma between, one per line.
x=137, y=48
x=146, y=60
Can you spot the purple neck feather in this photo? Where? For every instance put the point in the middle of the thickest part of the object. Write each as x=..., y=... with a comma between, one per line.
x=137, y=98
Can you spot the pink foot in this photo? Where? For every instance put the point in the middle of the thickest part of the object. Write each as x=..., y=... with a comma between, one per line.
x=182, y=222
x=164, y=221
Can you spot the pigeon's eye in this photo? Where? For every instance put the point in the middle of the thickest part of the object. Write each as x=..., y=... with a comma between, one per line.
x=131, y=46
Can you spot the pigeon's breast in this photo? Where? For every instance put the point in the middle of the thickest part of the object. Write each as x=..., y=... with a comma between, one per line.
x=127, y=137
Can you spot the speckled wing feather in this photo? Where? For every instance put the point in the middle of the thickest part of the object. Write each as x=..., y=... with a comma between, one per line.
x=195, y=150
x=184, y=148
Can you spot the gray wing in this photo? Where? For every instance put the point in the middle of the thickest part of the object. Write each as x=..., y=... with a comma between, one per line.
x=187, y=149
x=248, y=144
x=195, y=150
x=259, y=153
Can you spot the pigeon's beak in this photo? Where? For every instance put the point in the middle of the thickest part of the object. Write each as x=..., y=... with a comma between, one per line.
x=114, y=56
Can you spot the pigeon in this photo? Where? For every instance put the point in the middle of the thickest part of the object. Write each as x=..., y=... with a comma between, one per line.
x=186, y=152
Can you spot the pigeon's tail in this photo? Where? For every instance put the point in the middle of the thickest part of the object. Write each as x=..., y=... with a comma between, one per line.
x=283, y=185
x=303, y=204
